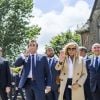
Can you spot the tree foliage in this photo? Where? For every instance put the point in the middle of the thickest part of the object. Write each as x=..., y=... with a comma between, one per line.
x=62, y=39
x=14, y=25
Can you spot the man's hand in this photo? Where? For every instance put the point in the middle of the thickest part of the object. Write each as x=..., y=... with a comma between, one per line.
x=26, y=53
x=47, y=89
x=8, y=89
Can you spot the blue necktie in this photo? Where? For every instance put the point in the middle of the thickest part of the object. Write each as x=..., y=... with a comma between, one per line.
x=50, y=68
x=49, y=62
x=96, y=63
x=33, y=68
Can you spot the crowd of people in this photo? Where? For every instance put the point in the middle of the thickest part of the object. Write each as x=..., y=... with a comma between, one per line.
x=73, y=75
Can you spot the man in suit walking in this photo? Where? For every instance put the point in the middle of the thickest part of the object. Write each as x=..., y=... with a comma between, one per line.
x=87, y=91
x=35, y=73
x=5, y=77
x=53, y=94
x=95, y=72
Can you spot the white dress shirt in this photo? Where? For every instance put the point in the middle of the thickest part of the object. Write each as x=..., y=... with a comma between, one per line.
x=70, y=68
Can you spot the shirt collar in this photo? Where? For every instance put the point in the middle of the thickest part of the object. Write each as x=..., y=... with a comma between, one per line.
x=85, y=57
x=32, y=54
x=50, y=58
x=95, y=58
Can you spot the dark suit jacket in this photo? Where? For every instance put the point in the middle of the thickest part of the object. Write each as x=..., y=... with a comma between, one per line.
x=41, y=74
x=94, y=76
x=5, y=75
x=87, y=82
x=54, y=74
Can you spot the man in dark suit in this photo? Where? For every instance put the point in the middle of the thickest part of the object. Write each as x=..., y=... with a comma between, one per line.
x=5, y=77
x=87, y=91
x=35, y=73
x=95, y=72
x=53, y=94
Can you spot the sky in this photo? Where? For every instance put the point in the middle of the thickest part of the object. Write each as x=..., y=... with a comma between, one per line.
x=56, y=16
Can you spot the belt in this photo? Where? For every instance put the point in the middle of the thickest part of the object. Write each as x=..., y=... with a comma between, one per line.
x=69, y=82
x=30, y=79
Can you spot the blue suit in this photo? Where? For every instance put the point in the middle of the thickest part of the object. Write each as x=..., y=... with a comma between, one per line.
x=53, y=95
x=94, y=80
x=41, y=74
x=87, y=91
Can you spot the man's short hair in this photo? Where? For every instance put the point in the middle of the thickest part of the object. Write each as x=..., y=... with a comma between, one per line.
x=82, y=48
x=33, y=40
x=49, y=47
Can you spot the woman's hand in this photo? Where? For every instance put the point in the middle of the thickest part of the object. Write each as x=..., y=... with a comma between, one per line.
x=62, y=56
x=75, y=86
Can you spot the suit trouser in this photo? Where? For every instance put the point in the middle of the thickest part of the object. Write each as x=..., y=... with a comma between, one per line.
x=32, y=92
x=53, y=95
x=96, y=94
x=68, y=93
x=87, y=92
x=3, y=94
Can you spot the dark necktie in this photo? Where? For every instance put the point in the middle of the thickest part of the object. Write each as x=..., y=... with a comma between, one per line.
x=96, y=63
x=33, y=67
x=50, y=68
x=49, y=62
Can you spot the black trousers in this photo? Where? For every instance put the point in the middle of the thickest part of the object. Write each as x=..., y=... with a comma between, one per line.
x=3, y=94
x=68, y=93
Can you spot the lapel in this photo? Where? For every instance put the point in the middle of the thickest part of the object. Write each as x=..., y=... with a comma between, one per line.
x=52, y=63
x=36, y=60
x=75, y=65
x=92, y=64
x=27, y=66
x=65, y=65
x=75, y=62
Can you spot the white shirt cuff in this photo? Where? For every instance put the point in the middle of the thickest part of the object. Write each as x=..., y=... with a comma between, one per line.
x=22, y=55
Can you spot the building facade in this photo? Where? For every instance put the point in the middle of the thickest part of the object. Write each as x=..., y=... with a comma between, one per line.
x=90, y=32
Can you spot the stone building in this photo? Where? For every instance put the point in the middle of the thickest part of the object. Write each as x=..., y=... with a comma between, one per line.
x=90, y=32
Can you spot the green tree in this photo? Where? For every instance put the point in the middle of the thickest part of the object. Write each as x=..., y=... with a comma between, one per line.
x=14, y=25
x=60, y=40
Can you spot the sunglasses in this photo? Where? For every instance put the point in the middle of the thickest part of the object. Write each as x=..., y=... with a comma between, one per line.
x=71, y=49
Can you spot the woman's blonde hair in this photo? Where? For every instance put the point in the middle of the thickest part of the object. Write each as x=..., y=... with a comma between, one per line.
x=70, y=44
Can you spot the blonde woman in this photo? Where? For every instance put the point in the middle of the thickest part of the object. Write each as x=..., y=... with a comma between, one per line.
x=73, y=73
